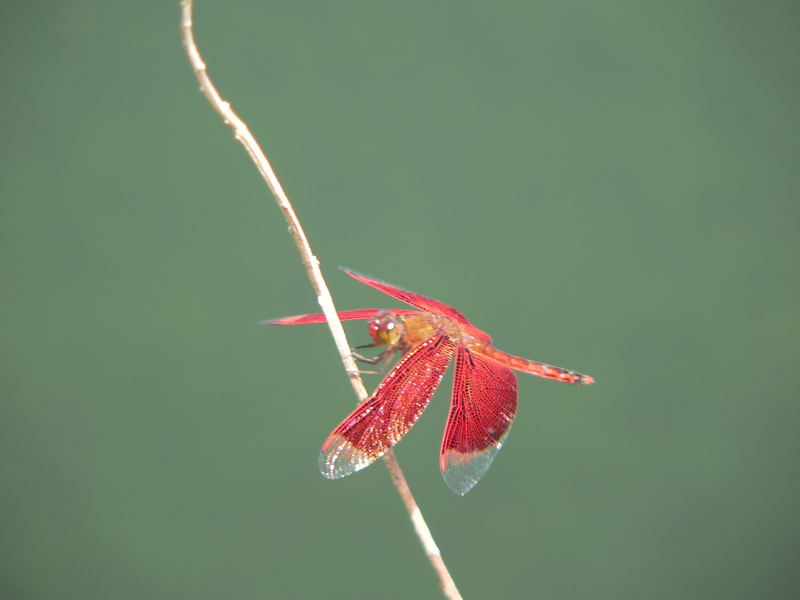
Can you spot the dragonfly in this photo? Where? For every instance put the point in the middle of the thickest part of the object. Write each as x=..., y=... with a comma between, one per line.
x=483, y=402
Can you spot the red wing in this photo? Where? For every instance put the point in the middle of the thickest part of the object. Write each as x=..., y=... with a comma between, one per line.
x=421, y=302
x=481, y=411
x=344, y=315
x=383, y=419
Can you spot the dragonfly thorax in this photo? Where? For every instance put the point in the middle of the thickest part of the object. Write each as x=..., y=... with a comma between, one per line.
x=386, y=329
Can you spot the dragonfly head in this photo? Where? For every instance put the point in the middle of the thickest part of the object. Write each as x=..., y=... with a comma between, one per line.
x=386, y=329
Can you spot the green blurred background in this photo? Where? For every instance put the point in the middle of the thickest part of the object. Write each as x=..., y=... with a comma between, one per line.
x=607, y=186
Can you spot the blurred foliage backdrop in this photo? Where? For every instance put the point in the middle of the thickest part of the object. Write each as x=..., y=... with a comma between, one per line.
x=608, y=186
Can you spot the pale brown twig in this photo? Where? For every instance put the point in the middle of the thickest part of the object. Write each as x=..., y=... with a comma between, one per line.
x=243, y=135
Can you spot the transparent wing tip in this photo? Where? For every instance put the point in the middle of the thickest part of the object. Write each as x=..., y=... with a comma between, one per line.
x=339, y=458
x=462, y=471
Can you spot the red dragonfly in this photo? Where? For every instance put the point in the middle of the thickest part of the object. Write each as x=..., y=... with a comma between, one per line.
x=484, y=399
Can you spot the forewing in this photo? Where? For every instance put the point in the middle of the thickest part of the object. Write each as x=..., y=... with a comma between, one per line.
x=344, y=315
x=421, y=302
x=482, y=408
x=383, y=419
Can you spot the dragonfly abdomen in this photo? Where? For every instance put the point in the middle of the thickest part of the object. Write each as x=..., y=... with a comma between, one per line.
x=534, y=367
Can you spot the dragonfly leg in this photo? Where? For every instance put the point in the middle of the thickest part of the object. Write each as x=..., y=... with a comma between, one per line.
x=372, y=361
x=384, y=357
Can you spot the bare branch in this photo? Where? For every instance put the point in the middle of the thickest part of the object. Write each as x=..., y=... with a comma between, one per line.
x=242, y=134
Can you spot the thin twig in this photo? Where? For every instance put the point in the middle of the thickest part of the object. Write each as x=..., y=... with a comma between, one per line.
x=242, y=134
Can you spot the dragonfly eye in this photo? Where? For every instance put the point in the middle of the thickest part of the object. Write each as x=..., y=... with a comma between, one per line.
x=385, y=329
